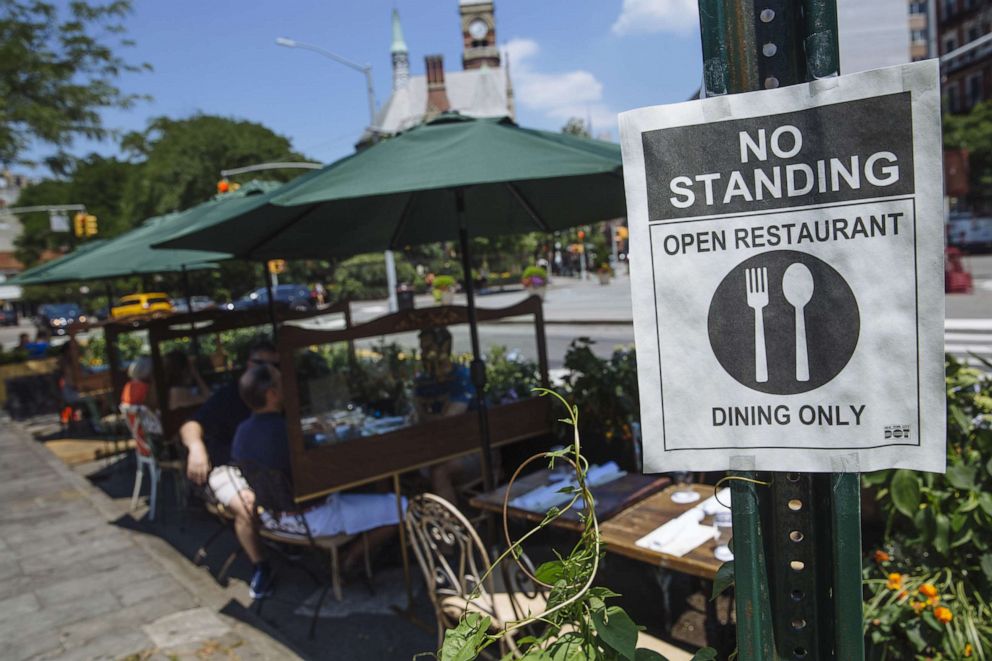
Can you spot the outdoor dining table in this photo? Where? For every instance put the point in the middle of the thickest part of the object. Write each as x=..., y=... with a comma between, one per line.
x=611, y=498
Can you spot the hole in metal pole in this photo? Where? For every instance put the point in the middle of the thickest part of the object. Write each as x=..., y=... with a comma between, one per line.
x=800, y=652
x=792, y=477
x=797, y=595
x=769, y=50
x=795, y=504
x=771, y=83
x=796, y=536
x=797, y=565
x=798, y=623
x=767, y=15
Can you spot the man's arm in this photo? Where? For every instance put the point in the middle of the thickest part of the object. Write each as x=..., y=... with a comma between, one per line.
x=198, y=462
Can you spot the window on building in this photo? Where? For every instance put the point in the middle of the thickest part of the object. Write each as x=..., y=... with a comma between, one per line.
x=918, y=8
x=969, y=4
x=974, y=89
x=950, y=43
x=950, y=6
x=918, y=35
x=974, y=33
x=953, y=101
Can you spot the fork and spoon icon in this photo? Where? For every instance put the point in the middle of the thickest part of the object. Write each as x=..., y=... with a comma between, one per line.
x=797, y=286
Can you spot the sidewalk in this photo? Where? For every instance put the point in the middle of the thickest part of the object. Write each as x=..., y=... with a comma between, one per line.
x=75, y=586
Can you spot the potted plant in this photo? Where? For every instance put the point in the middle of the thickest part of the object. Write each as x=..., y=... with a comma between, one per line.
x=443, y=289
x=535, y=279
x=604, y=272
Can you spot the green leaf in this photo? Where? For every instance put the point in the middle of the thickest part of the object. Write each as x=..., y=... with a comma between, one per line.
x=986, y=563
x=931, y=621
x=962, y=477
x=906, y=492
x=724, y=578
x=705, y=654
x=960, y=418
x=550, y=572
x=988, y=467
x=985, y=501
x=644, y=654
x=568, y=647
x=914, y=636
x=941, y=540
x=462, y=643
x=615, y=628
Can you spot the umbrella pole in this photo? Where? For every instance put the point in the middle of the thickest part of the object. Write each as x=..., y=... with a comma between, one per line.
x=478, y=368
x=272, y=301
x=189, y=310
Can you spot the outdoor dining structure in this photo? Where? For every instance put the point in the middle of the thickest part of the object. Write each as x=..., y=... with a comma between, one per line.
x=453, y=178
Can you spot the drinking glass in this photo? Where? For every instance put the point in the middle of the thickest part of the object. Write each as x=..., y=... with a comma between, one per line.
x=683, y=493
x=723, y=521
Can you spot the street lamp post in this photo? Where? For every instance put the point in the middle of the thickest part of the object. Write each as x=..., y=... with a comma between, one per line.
x=365, y=69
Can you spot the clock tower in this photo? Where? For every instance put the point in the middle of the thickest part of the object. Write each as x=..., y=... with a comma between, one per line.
x=478, y=34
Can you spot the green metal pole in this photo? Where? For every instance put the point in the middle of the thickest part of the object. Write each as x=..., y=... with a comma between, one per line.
x=797, y=542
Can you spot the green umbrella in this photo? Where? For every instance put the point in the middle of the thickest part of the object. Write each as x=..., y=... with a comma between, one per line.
x=131, y=253
x=453, y=177
x=401, y=191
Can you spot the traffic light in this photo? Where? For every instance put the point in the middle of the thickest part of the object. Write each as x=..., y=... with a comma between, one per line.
x=277, y=266
x=79, y=224
x=223, y=186
x=622, y=233
x=582, y=235
x=90, y=225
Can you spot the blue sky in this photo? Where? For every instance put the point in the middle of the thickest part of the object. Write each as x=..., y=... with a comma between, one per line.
x=591, y=59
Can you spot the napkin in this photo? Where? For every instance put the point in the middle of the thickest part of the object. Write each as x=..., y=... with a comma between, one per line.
x=544, y=497
x=680, y=535
x=714, y=503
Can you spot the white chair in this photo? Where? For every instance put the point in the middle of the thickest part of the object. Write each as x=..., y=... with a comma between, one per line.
x=146, y=430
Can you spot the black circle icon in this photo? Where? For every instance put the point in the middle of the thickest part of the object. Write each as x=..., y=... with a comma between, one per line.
x=783, y=322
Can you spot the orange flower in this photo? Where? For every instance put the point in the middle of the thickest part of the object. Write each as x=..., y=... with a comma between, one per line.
x=943, y=614
x=933, y=601
x=918, y=606
x=967, y=649
x=894, y=582
x=882, y=556
x=902, y=595
x=928, y=590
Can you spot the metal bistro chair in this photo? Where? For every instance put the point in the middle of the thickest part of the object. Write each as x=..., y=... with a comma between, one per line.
x=453, y=560
x=146, y=430
x=273, y=503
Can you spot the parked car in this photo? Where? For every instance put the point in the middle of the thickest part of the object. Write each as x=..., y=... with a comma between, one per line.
x=55, y=318
x=968, y=232
x=146, y=303
x=292, y=297
x=198, y=302
x=8, y=315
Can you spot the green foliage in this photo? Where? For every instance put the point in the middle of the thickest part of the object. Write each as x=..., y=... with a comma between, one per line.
x=363, y=277
x=580, y=623
x=508, y=376
x=535, y=272
x=605, y=390
x=60, y=68
x=576, y=126
x=973, y=131
x=95, y=181
x=94, y=350
x=939, y=532
x=180, y=160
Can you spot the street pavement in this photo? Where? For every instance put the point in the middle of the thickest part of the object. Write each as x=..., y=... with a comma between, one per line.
x=74, y=584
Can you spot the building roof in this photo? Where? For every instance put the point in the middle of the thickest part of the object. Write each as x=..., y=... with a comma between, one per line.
x=476, y=93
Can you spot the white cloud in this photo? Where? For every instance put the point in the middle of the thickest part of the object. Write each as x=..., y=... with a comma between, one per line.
x=559, y=96
x=656, y=16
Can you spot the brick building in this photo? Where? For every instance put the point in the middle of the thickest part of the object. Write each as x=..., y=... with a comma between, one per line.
x=965, y=47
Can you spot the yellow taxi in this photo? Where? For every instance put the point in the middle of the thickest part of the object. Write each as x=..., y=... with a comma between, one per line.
x=147, y=303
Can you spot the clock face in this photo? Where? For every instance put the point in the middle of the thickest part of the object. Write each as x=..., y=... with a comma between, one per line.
x=478, y=28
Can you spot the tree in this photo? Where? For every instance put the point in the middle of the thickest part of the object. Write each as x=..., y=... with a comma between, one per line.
x=973, y=132
x=576, y=126
x=58, y=69
x=181, y=159
x=96, y=181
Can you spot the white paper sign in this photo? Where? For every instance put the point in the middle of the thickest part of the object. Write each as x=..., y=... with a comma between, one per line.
x=787, y=276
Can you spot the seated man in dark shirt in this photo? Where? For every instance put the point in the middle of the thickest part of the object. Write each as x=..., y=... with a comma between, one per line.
x=208, y=437
x=263, y=440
